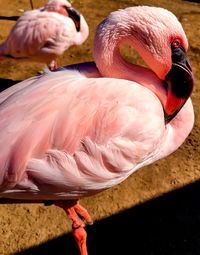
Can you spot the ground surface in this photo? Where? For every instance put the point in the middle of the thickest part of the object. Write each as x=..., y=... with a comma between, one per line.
x=159, y=203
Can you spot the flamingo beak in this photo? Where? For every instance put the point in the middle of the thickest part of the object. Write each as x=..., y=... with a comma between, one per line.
x=180, y=82
x=75, y=16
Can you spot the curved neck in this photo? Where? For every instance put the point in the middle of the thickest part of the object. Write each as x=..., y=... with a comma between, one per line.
x=111, y=64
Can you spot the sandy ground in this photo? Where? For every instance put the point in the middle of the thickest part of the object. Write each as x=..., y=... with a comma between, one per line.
x=159, y=204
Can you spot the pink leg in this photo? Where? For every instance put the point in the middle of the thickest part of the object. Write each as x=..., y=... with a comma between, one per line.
x=80, y=236
x=78, y=214
x=53, y=65
x=83, y=213
x=31, y=4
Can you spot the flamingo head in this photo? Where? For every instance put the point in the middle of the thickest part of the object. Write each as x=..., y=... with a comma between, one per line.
x=162, y=43
x=64, y=8
x=157, y=35
x=179, y=81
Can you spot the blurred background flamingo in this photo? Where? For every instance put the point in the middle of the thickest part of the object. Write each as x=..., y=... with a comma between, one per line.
x=73, y=133
x=43, y=34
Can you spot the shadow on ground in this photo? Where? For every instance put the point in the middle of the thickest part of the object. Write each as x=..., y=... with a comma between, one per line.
x=195, y=1
x=6, y=83
x=167, y=225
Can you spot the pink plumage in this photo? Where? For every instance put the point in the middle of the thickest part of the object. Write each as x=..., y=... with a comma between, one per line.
x=78, y=131
x=44, y=34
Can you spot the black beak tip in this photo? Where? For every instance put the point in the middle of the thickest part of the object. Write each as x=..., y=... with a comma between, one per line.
x=182, y=80
x=168, y=118
x=75, y=16
x=179, y=81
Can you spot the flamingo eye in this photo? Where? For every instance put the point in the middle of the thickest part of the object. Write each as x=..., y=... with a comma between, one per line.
x=176, y=44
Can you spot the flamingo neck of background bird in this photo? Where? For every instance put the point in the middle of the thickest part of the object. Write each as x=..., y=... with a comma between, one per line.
x=57, y=6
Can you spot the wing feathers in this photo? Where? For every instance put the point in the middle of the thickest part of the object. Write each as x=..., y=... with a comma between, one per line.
x=74, y=134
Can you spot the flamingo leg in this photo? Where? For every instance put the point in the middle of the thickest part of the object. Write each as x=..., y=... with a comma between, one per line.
x=31, y=4
x=53, y=65
x=78, y=215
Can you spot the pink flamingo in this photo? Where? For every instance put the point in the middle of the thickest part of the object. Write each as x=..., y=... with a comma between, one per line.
x=44, y=34
x=73, y=133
